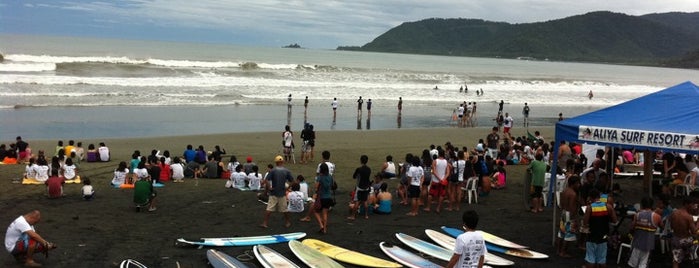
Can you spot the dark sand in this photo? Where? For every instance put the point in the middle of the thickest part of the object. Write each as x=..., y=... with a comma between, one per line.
x=107, y=230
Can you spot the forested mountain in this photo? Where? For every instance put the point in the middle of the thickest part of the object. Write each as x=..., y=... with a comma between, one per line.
x=654, y=39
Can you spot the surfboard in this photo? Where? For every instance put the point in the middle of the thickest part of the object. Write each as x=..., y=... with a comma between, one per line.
x=405, y=257
x=312, y=257
x=490, y=238
x=129, y=263
x=270, y=258
x=516, y=252
x=425, y=247
x=243, y=241
x=450, y=242
x=218, y=259
x=348, y=256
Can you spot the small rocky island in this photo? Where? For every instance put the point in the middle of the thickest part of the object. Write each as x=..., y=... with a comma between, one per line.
x=294, y=45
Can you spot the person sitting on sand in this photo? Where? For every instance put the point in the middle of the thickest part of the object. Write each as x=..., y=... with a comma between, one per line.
x=165, y=170
x=22, y=241
x=499, y=178
x=255, y=179
x=54, y=185
x=104, y=152
x=42, y=170
x=70, y=171
x=30, y=169
x=92, y=155
x=388, y=170
x=120, y=174
x=295, y=199
x=383, y=201
x=238, y=177
x=140, y=172
x=177, y=169
x=87, y=190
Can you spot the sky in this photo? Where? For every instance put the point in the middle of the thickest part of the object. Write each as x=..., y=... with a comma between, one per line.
x=269, y=23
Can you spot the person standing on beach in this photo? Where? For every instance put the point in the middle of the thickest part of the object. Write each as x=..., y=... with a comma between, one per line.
x=597, y=218
x=507, y=125
x=683, y=231
x=363, y=176
x=502, y=102
x=276, y=189
x=305, y=106
x=400, y=104
x=415, y=176
x=568, y=225
x=470, y=246
x=537, y=168
x=360, y=101
x=441, y=169
x=368, y=107
x=525, y=112
x=288, y=143
x=334, y=105
x=22, y=241
x=560, y=117
x=493, y=141
x=645, y=223
x=288, y=104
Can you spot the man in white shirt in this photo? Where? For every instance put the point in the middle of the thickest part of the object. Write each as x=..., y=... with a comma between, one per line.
x=22, y=241
x=103, y=152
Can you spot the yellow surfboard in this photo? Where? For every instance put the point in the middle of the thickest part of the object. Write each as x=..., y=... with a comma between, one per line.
x=346, y=255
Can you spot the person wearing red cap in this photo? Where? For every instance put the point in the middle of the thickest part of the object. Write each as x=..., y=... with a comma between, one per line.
x=247, y=167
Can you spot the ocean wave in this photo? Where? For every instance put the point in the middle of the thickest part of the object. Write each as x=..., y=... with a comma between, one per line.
x=27, y=67
x=171, y=63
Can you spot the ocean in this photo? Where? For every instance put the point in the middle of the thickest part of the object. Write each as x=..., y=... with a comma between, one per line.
x=67, y=87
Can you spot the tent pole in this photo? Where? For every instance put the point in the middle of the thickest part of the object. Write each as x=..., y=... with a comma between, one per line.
x=648, y=172
x=552, y=180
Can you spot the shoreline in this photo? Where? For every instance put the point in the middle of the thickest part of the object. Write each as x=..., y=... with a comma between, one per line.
x=155, y=121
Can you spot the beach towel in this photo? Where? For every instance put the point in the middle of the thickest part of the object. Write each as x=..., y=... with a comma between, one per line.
x=31, y=181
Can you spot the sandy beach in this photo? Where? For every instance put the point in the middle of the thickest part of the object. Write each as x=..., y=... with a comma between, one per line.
x=106, y=230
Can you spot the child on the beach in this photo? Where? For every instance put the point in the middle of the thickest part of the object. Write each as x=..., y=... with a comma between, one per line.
x=87, y=190
x=30, y=169
x=470, y=247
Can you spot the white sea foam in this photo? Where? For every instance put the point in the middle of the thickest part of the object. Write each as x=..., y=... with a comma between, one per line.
x=27, y=67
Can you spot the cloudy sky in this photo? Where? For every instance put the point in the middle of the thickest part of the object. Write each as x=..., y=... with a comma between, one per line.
x=313, y=24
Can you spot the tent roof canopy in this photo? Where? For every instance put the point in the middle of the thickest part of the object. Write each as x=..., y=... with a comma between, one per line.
x=664, y=120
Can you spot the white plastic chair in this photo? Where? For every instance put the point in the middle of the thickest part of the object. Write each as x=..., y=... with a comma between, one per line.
x=471, y=189
x=545, y=189
x=621, y=248
x=560, y=187
x=686, y=187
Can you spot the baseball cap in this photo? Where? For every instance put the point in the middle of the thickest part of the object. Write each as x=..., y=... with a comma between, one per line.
x=278, y=158
x=249, y=159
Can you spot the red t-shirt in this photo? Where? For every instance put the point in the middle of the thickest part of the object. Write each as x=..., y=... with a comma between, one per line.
x=55, y=186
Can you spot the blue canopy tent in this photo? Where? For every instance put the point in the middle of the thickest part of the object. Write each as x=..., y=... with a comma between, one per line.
x=664, y=120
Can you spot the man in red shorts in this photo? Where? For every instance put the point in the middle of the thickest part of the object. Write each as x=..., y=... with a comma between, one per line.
x=441, y=169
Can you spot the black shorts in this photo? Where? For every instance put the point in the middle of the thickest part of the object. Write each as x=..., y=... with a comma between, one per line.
x=413, y=191
x=538, y=192
x=362, y=195
x=327, y=202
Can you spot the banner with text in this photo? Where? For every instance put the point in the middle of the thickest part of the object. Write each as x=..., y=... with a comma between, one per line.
x=634, y=137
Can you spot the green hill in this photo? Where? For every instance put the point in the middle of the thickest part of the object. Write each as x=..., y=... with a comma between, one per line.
x=653, y=39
